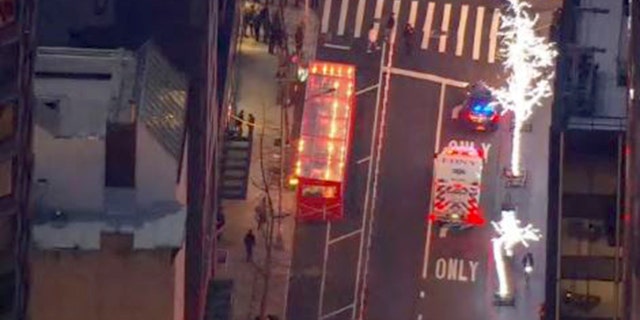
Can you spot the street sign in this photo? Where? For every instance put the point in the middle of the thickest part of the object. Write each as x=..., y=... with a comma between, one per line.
x=453, y=269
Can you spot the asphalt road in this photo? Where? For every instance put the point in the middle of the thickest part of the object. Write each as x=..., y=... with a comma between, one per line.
x=395, y=285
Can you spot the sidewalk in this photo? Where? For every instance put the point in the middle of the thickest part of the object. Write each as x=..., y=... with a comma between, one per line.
x=256, y=94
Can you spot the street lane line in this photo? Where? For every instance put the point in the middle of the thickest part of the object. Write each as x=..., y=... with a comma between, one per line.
x=367, y=89
x=413, y=12
x=428, y=77
x=326, y=13
x=444, y=28
x=428, y=25
x=462, y=27
x=343, y=16
x=365, y=209
x=324, y=270
x=359, y=18
x=363, y=160
x=477, y=37
x=427, y=247
x=493, y=35
x=378, y=13
x=344, y=236
x=396, y=9
x=337, y=46
x=339, y=311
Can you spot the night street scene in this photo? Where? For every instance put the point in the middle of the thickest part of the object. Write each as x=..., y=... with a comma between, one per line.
x=319, y=160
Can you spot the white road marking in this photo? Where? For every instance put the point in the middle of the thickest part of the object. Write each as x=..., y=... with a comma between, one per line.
x=493, y=35
x=477, y=37
x=359, y=18
x=365, y=211
x=443, y=232
x=324, y=270
x=344, y=236
x=396, y=9
x=337, y=46
x=343, y=17
x=413, y=12
x=444, y=28
x=464, y=13
x=339, y=311
x=427, y=247
x=428, y=24
x=363, y=160
x=367, y=89
x=379, y=6
x=326, y=13
x=428, y=77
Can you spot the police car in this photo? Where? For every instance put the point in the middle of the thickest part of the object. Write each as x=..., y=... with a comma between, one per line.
x=479, y=111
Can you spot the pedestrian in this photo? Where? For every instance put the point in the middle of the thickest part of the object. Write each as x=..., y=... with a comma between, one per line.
x=239, y=122
x=276, y=29
x=248, y=20
x=249, y=243
x=373, y=39
x=299, y=37
x=220, y=223
x=391, y=23
x=251, y=125
x=408, y=34
x=527, y=260
x=265, y=22
x=257, y=24
x=542, y=311
x=261, y=213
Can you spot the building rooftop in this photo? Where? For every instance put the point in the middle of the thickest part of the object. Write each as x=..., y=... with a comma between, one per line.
x=108, y=141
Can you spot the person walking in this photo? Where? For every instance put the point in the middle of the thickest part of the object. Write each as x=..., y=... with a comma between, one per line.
x=391, y=23
x=299, y=37
x=373, y=39
x=249, y=243
x=251, y=125
x=257, y=24
x=248, y=19
x=408, y=34
x=265, y=20
x=276, y=29
x=239, y=122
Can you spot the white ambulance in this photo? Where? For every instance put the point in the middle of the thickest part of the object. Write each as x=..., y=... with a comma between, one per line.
x=456, y=186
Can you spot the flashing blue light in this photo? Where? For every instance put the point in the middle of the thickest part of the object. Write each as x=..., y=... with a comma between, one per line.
x=482, y=108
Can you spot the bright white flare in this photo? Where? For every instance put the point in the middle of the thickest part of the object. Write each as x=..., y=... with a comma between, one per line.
x=510, y=233
x=527, y=58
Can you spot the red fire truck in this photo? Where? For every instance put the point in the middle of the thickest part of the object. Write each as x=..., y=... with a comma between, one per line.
x=325, y=132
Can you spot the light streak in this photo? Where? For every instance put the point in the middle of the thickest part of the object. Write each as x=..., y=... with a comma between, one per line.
x=527, y=59
x=510, y=234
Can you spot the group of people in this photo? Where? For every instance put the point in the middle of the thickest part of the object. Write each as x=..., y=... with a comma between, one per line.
x=408, y=34
x=263, y=26
x=240, y=122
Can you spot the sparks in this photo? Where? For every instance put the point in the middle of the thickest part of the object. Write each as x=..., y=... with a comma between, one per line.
x=527, y=59
x=510, y=234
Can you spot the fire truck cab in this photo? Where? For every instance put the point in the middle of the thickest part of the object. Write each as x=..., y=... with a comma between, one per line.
x=456, y=187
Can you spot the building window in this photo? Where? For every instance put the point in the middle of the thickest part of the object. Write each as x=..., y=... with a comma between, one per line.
x=7, y=120
x=6, y=178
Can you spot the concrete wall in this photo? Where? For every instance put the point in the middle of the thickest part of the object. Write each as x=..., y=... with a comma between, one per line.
x=102, y=285
x=156, y=170
x=74, y=169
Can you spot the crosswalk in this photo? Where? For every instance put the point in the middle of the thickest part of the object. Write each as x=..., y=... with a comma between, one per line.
x=462, y=30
